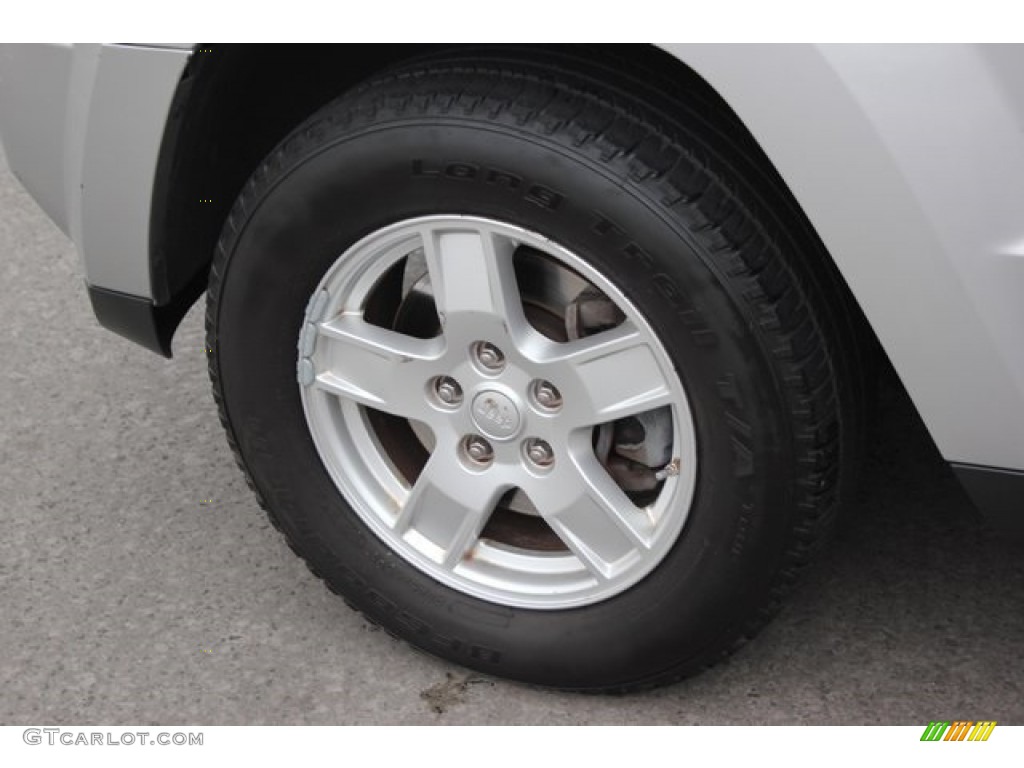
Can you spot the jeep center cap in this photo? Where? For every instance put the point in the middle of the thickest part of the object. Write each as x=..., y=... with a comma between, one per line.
x=496, y=415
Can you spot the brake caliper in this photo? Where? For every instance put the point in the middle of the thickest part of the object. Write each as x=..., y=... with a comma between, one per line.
x=637, y=450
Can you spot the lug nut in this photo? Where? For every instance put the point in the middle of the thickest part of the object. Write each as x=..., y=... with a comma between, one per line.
x=477, y=449
x=489, y=356
x=547, y=395
x=539, y=452
x=448, y=390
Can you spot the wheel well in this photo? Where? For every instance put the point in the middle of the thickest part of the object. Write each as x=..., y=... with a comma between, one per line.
x=235, y=102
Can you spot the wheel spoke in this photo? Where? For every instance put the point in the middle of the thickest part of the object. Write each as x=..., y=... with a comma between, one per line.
x=447, y=508
x=615, y=374
x=376, y=367
x=593, y=516
x=472, y=271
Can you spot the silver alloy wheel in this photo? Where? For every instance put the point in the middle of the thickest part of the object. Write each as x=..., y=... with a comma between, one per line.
x=499, y=409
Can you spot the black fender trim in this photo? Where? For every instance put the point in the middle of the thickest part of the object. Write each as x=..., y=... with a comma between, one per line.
x=138, y=319
x=997, y=493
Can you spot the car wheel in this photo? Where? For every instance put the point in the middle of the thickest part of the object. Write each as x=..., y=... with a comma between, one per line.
x=533, y=374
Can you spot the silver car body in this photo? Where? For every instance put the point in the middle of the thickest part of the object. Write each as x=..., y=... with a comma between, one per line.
x=908, y=161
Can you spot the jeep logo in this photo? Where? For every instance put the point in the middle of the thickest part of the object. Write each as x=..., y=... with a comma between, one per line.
x=495, y=414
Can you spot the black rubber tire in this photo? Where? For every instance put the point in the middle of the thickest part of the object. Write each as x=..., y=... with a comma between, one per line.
x=689, y=227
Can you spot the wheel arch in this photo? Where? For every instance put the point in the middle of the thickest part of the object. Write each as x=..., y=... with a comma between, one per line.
x=235, y=102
